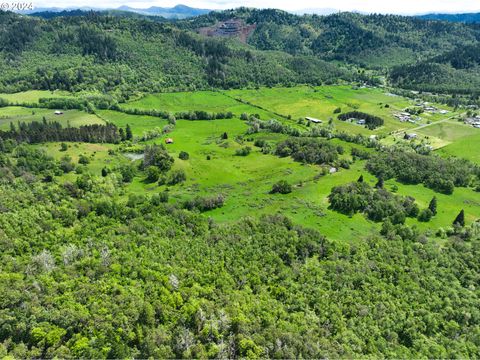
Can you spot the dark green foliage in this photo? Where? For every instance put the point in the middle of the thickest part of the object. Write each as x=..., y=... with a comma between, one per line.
x=146, y=270
x=128, y=133
x=183, y=155
x=157, y=155
x=432, y=206
x=128, y=172
x=84, y=160
x=152, y=174
x=460, y=219
x=360, y=179
x=425, y=215
x=371, y=121
x=243, y=151
x=204, y=203
x=176, y=177
x=281, y=187
x=439, y=174
x=377, y=204
x=63, y=147
x=224, y=136
x=38, y=132
x=308, y=150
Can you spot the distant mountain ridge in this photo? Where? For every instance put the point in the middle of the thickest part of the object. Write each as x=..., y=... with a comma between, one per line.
x=177, y=12
x=464, y=18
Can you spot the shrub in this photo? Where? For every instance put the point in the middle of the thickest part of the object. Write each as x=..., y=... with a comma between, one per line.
x=281, y=187
x=244, y=151
x=183, y=155
x=177, y=176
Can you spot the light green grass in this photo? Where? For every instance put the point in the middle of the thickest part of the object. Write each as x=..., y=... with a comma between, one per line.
x=138, y=123
x=466, y=147
x=449, y=130
x=209, y=101
x=32, y=96
x=16, y=114
x=320, y=102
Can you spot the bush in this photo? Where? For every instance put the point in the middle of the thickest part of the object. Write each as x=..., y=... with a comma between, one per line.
x=281, y=187
x=84, y=160
x=425, y=215
x=244, y=151
x=176, y=177
x=183, y=155
x=152, y=174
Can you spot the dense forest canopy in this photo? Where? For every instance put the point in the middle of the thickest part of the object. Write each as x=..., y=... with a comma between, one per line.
x=124, y=54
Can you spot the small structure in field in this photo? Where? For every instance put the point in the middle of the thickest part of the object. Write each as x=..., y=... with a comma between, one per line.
x=410, y=136
x=361, y=122
x=313, y=120
x=169, y=141
x=58, y=112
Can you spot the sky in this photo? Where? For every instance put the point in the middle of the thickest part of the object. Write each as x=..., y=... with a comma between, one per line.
x=368, y=6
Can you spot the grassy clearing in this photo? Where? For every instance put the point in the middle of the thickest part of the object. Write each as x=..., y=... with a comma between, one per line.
x=33, y=96
x=213, y=166
x=466, y=147
x=209, y=101
x=449, y=130
x=138, y=123
x=320, y=102
x=16, y=114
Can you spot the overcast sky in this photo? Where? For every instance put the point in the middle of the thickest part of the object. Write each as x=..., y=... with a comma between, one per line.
x=378, y=6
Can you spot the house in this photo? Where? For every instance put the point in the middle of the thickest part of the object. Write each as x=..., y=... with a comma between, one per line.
x=410, y=136
x=361, y=122
x=313, y=120
x=443, y=112
x=58, y=112
x=332, y=170
x=169, y=141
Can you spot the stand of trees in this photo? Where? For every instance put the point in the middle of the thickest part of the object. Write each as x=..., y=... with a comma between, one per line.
x=371, y=121
x=38, y=132
x=377, y=203
x=309, y=150
x=439, y=174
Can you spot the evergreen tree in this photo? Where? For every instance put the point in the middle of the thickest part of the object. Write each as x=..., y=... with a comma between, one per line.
x=122, y=134
x=433, y=205
x=128, y=133
x=360, y=179
x=460, y=219
x=225, y=136
x=379, y=184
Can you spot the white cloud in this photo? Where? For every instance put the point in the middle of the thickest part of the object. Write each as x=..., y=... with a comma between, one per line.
x=370, y=6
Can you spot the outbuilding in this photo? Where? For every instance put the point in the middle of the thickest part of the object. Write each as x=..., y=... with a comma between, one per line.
x=169, y=141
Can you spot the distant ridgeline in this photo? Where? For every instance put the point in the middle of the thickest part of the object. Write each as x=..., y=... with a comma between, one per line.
x=39, y=132
x=123, y=55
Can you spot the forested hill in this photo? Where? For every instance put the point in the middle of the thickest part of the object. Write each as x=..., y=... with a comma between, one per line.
x=122, y=54
x=465, y=18
x=455, y=71
x=368, y=40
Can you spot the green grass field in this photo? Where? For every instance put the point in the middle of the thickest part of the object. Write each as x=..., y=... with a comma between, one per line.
x=138, y=123
x=247, y=181
x=33, y=96
x=467, y=147
x=321, y=102
x=16, y=114
x=209, y=101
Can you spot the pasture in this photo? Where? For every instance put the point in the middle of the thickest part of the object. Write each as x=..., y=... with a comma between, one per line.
x=214, y=167
x=17, y=114
x=32, y=96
